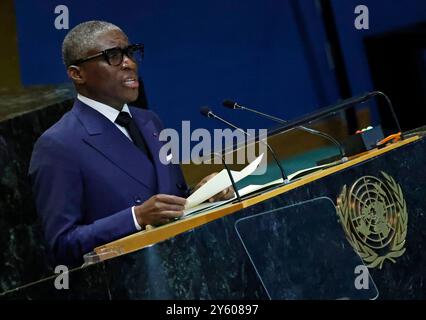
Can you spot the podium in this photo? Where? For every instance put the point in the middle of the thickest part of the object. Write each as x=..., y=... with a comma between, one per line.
x=303, y=240
x=300, y=254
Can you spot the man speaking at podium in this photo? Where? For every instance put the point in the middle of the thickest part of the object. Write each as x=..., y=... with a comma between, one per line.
x=96, y=173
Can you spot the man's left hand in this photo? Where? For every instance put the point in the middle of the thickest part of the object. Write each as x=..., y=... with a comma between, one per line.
x=226, y=194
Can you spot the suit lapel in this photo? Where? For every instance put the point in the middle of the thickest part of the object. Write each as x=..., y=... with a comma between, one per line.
x=151, y=134
x=106, y=138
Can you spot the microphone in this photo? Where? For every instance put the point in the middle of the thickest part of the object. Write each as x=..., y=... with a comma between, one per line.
x=207, y=112
x=229, y=174
x=234, y=105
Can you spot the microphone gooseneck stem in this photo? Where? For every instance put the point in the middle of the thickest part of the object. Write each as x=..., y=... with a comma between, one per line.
x=312, y=131
x=264, y=115
x=212, y=115
x=328, y=137
x=234, y=185
x=284, y=176
x=388, y=101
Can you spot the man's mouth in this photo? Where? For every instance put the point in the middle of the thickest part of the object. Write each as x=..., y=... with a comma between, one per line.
x=131, y=83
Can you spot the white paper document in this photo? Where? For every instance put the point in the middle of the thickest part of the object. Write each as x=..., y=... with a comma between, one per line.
x=310, y=170
x=220, y=182
x=195, y=202
x=205, y=205
x=243, y=192
x=256, y=187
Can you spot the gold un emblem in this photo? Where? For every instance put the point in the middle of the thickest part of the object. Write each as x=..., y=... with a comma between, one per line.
x=374, y=216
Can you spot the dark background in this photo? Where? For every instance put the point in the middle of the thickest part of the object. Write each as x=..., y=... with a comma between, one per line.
x=286, y=57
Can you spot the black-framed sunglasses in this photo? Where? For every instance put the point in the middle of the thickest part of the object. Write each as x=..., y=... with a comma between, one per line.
x=114, y=56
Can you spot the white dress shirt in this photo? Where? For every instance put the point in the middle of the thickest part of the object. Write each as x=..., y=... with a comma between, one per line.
x=111, y=114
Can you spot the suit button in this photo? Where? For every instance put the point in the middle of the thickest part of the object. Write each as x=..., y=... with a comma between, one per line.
x=138, y=200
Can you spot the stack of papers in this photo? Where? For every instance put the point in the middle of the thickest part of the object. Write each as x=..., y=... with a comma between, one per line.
x=195, y=202
x=243, y=192
x=220, y=182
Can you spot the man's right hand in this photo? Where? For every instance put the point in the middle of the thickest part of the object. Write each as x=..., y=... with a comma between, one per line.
x=159, y=209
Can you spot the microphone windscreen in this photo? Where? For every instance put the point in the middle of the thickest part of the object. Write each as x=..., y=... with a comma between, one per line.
x=229, y=104
x=205, y=111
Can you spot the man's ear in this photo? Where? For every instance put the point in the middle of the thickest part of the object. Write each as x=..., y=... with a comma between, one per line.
x=76, y=74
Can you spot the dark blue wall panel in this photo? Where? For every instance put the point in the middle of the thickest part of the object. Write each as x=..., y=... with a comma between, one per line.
x=384, y=16
x=197, y=53
x=268, y=54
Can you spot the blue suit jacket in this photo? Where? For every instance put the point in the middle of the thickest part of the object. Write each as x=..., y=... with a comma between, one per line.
x=86, y=176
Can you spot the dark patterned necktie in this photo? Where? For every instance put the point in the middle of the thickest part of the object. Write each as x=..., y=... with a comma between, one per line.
x=125, y=120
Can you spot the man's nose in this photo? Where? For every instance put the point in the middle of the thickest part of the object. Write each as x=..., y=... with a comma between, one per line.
x=128, y=63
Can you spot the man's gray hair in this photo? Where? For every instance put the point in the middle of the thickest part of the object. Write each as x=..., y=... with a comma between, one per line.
x=82, y=38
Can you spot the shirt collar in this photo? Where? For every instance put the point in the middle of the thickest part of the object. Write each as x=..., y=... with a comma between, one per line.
x=106, y=110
